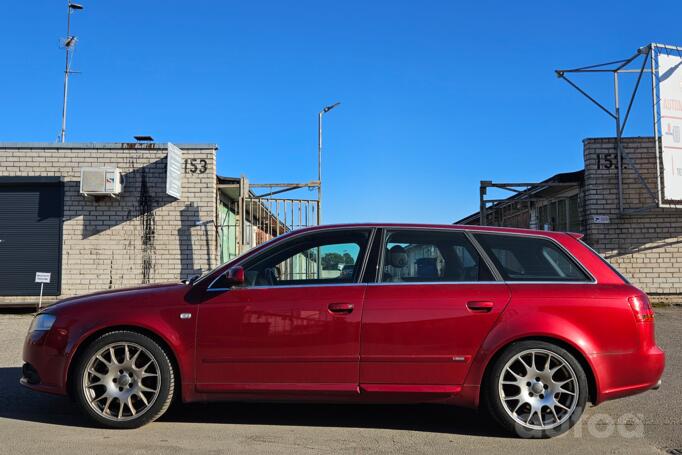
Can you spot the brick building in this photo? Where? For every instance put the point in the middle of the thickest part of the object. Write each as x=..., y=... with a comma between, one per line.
x=643, y=241
x=91, y=243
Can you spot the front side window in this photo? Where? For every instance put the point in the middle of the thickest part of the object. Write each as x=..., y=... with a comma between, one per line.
x=522, y=258
x=431, y=256
x=320, y=258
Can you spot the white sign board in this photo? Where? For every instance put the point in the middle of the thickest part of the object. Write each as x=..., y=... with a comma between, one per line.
x=601, y=219
x=43, y=277
x=670, y=91
x=174, y=172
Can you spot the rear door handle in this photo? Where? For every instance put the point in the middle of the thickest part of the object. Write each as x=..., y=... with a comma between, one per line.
x=480, y=306
x=341, y=308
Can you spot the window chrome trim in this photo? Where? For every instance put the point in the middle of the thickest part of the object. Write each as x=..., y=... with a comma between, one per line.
x=289, y=286
x=591, y=283
x=409, y=283
x=447, y=283
x=469, y=233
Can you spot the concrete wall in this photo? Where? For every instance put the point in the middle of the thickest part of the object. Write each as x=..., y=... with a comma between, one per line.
x=645, y=246
x=144, y=236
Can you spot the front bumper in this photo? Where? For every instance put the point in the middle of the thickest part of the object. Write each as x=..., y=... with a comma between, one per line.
x=45, y=361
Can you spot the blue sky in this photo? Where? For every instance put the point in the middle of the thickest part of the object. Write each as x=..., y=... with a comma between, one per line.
x=436, y=95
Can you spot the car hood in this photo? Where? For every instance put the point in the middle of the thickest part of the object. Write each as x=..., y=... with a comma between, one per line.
x=138, y=293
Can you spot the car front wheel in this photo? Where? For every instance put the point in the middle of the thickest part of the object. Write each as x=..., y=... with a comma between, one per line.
x=536, y=389
x=124, y=379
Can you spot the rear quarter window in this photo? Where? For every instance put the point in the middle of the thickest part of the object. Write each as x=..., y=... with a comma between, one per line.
x=525, y=258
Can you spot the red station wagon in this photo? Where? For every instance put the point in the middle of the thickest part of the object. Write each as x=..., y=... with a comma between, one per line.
x=530, y=325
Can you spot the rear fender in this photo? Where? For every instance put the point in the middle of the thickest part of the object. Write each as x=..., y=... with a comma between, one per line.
x=514, y=327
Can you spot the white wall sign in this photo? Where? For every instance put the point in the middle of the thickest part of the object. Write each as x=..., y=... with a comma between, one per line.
x=43, y=277
x=670, y=91
x=174, y=172
x=601, y=219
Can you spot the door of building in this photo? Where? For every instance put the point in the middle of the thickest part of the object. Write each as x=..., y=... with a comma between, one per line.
x=31, y=212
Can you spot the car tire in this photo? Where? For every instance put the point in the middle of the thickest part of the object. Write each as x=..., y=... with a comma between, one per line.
x=123, y=379
x=536, y=389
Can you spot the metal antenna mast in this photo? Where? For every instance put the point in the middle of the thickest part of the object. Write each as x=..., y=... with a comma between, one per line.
x=69, y=46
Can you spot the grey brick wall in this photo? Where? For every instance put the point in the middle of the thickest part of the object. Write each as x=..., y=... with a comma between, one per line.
x=645, y=246
x=144, y=236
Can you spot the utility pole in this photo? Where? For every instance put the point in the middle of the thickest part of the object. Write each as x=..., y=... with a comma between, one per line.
x=69, y=45
x=319, y=159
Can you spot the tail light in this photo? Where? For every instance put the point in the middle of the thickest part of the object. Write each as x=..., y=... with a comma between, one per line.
x=641, y=308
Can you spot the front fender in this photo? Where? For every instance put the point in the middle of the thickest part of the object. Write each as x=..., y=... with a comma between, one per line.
x=163, y=323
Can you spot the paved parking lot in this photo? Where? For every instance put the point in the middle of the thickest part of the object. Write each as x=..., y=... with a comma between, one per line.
x=37, y=423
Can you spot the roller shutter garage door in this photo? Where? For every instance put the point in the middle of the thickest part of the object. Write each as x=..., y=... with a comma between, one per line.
x=30, y=234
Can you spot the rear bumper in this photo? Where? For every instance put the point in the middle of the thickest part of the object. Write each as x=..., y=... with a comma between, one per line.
x=621, y=375
x=44, y=362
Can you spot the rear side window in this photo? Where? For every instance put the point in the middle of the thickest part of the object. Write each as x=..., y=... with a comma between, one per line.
x=431, y=256
x=520, y=258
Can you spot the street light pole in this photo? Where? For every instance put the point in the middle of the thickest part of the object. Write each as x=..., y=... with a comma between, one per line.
x=319, y=159
x=69, y=43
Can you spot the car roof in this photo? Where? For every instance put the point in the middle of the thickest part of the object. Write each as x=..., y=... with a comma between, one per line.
x=459, y=227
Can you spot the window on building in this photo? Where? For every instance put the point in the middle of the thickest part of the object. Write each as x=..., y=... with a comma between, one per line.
x=574, y=224
x=560, y=215
x=523, y=258
x=426, y=256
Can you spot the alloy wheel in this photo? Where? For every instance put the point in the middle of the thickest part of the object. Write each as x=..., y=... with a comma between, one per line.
x=121, y=381
x=538, y=389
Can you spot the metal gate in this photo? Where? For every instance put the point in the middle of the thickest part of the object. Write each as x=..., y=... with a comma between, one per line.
x=265, y=218
x=251, y=219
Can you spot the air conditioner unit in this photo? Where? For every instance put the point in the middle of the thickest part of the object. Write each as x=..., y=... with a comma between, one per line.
x=101, y=181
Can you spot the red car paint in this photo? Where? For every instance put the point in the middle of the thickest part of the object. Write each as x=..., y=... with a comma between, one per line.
x=363, y=341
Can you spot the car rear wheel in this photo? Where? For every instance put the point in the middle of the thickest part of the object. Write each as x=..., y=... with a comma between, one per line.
x=536, y=389
x=124, y=379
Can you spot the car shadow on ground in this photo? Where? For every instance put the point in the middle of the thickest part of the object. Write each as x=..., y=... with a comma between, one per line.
x=19, y=403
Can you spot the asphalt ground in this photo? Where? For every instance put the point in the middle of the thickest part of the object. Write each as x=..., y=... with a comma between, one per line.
x=32, y=423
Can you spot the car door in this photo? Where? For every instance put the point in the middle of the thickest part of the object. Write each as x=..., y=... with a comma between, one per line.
x=294, y=325
x=434, y=302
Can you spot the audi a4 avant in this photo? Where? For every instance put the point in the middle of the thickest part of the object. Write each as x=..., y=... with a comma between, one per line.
x=529, y=325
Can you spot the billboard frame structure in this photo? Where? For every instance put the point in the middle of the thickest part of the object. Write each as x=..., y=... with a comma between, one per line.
x=649, y=64
x=658, y=120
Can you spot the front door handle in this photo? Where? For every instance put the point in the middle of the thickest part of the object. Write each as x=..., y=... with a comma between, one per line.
x=480, y=306
x=341, y=308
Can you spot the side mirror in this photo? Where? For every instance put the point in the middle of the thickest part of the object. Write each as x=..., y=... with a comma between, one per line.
x=235, y=275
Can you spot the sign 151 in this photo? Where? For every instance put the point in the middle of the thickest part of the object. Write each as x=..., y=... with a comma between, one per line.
x=609, y=161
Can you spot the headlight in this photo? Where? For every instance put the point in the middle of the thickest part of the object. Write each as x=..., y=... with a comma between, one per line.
x=42, y=322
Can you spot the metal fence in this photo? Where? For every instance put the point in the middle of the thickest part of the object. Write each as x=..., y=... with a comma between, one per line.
x=246, y=220
x=265, y=218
